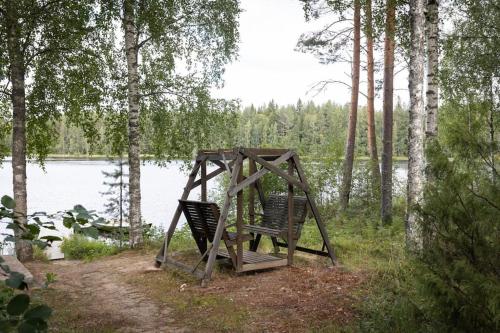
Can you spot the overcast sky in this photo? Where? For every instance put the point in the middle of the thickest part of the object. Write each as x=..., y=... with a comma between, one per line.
x=268, y=67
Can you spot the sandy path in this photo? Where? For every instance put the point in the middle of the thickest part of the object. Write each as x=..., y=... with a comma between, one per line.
x=99, y=286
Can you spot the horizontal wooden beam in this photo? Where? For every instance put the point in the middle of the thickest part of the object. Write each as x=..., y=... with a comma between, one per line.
x=267, y=154
x=305, y=249
x=263, y=265
x=256, y=176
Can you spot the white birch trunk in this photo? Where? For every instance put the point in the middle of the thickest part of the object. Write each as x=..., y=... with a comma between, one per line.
x=432, y=32
x=416, y=125
x=24, y=249
x=131, y=50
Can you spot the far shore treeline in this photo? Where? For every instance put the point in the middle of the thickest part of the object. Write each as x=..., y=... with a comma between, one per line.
x=312, y=129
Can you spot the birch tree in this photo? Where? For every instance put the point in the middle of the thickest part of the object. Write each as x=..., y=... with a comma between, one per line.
x=46, y=44
x=389, y=44
x=432, y=93
x=174, y=52
x=416, y=125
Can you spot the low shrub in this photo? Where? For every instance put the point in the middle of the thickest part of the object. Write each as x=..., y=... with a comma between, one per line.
x=80, y=247
x=39, y=254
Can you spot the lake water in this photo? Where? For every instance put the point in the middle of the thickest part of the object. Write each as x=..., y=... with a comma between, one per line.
x=65, y=183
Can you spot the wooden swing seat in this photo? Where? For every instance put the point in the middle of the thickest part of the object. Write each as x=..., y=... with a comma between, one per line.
x=274, y=222
x=202, y=218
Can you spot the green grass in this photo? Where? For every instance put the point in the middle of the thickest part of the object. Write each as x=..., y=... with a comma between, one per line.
x=39, y=254
x=80, y=247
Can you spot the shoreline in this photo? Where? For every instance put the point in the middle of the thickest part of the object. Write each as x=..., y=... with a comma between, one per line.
x=62, y=157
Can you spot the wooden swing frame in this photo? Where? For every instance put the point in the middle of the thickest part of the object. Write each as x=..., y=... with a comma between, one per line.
x=231, y=161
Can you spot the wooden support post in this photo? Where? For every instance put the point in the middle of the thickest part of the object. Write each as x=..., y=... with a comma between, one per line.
x=290, y=235
x=251, y=193
x=239, y=223
x=204, y=180
x=315, y=211
x=173, y=224
x=221, y=224
x=252, y=168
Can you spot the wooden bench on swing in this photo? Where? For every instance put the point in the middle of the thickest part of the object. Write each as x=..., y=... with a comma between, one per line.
x=274, y=220
x=202, y=218
x=283, y=215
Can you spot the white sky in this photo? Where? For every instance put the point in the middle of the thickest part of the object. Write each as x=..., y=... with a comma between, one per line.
x=268, y=67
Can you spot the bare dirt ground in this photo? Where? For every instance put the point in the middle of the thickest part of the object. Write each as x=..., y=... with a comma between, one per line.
x=98, y=291
x=125, y=293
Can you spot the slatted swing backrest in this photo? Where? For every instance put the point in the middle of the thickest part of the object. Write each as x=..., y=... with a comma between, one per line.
x=276, y=212
x=202, y=218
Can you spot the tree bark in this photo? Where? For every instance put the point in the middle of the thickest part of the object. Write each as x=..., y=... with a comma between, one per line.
x=386, y=186
x=24, y=249
x=416, y=125
x=353, y=114
x=370, y=108
x=131, y=50
x=432, y=32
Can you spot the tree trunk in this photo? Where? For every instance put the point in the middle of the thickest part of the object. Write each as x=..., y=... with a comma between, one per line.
x=353, y=114
x=24, y=250
x=386, y=202
x=432, y=29
x=370, y=108
x=416, y=125
x=131, y=50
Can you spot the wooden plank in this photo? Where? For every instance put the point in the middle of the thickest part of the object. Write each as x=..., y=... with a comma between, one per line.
x=274, y=168
x=222, y=222
x=251, y=193
x=305, y=249
x=315, y=211
x=290, y=214
x=213, y=174
x=263, y=265
x=250, y=256
x=262, y=230
x=239, y=222
x=203, y=181
x=267, y=151
x=252, y=168
x=258, y=185
x=253, y=178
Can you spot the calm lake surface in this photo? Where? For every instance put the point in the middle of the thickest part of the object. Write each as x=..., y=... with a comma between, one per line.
x=65, y=183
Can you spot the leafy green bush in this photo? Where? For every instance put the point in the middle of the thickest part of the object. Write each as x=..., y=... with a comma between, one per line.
x=80, y=247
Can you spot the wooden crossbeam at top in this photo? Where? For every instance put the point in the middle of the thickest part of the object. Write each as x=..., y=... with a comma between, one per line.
x=231, y=154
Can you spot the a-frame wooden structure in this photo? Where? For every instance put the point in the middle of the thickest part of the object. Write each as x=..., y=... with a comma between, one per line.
x=231, y=161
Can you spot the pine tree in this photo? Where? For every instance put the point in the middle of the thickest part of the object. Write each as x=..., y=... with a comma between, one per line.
x=117, y=203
